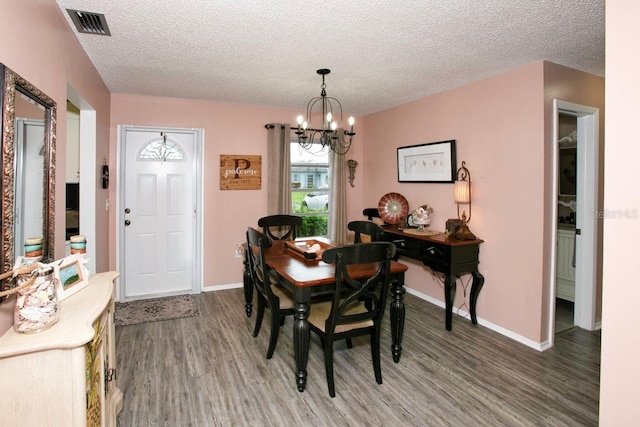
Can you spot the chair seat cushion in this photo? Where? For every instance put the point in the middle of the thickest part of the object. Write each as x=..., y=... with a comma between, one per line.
x=319, y=313
x=285, y=297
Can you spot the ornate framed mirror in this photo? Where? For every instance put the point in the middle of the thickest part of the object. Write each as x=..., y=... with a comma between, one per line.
x=28, y=168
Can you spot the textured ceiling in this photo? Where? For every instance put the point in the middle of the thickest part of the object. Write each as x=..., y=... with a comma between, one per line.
x=381, y=53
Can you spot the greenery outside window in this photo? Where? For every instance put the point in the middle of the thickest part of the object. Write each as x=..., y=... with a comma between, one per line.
x=310, y=175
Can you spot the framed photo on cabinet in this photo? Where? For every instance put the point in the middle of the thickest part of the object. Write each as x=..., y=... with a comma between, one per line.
x=72, y=275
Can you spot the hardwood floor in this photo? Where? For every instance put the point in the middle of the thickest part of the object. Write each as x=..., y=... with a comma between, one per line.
x=564, y=315
x=210, y=371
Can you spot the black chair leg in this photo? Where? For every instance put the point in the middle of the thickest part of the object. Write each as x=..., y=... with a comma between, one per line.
x=259, y=315
x=375, y=356
x=275, y=330
x=328, y=366
x=349, y=343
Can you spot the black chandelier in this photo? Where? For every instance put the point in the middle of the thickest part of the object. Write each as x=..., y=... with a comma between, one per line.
x=329, y=134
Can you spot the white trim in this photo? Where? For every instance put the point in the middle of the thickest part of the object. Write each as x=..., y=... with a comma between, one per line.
x=587, y=222
x=88, y=168
x=198, y=267
x=502, y=331
x=214, y=288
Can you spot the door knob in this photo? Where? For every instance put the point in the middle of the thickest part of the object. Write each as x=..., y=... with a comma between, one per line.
x=127, y=210
x=127, y=222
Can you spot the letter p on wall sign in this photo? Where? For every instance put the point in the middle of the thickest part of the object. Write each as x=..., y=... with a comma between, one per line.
x=240, y=172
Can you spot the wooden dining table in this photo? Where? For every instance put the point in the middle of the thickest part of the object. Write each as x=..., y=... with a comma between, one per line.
x=304, y=278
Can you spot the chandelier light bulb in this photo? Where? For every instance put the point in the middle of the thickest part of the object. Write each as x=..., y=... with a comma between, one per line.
x=299, y=119
x=334, y=126
x=304, y=125
x=329, y=117
x=351, y=122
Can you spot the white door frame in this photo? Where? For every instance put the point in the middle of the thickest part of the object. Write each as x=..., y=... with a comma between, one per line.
x=120, y=202
x=88, y=166
x=587, y=221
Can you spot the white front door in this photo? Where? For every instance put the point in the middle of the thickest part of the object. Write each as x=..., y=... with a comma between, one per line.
x=159, y=213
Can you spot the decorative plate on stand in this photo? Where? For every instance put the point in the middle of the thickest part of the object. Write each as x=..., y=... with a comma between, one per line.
x=392, y=207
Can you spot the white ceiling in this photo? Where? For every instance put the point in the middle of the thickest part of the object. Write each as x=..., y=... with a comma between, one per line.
x=381, y=53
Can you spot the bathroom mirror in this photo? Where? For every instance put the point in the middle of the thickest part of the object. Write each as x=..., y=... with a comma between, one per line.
x=28, y=167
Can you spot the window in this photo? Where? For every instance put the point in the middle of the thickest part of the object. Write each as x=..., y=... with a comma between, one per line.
x=310, y=177
x=161, y=150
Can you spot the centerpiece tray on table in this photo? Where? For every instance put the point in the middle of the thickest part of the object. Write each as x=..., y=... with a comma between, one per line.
x=310, y=249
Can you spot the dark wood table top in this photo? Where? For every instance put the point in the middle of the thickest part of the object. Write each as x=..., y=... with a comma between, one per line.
x=305, y=273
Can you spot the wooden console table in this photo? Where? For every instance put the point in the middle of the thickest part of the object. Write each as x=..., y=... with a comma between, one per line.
x=453, y=258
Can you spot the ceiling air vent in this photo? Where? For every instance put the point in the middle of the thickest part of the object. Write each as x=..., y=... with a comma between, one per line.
x=89, y=22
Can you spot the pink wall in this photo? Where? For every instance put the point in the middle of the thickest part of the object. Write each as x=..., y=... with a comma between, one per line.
x=228, y=129
x=620, y=371
x=500, y=125
x=46, y=53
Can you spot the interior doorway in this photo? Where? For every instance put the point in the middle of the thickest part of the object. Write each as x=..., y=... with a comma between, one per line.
x=575, y=233
x=86, y=169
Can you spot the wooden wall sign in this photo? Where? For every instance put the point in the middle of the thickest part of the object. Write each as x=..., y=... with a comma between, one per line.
x=240, y=172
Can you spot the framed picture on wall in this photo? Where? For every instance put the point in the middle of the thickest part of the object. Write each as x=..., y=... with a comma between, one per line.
x=432, y=162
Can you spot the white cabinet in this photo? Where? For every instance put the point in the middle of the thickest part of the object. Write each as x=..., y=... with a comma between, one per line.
x=565, y=268
x=65, y=375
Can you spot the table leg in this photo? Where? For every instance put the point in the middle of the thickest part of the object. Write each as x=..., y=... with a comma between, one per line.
x=476, y=285
x=301, y=343
x=449, y=297
x=397, y=312
x=248, y=286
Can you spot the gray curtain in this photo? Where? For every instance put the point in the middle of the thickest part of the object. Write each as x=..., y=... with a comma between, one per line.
x=279, y=165
x=337, y=197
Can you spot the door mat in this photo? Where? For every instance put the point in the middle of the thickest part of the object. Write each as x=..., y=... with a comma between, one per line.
x=154, y=310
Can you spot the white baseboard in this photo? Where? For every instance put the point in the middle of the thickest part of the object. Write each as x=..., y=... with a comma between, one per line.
x=222, y=287
x=482, y=322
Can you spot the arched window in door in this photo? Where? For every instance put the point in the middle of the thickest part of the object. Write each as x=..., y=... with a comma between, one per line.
x=162, y=149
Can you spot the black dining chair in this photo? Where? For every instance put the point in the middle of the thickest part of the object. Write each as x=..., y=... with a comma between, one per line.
x=371, y=231
x=280, y=227
x=371, y=213
x=357, y=305
x=270, y=294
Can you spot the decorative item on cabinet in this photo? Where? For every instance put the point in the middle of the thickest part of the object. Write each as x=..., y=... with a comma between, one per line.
x=72, y=275
x=36, y=302
x=71, y=366
x=420, y=217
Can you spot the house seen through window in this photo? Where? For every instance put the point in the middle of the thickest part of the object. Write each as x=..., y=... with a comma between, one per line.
x=310, y=177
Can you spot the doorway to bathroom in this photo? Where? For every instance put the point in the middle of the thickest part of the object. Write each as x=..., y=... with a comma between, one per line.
x=575, y=204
